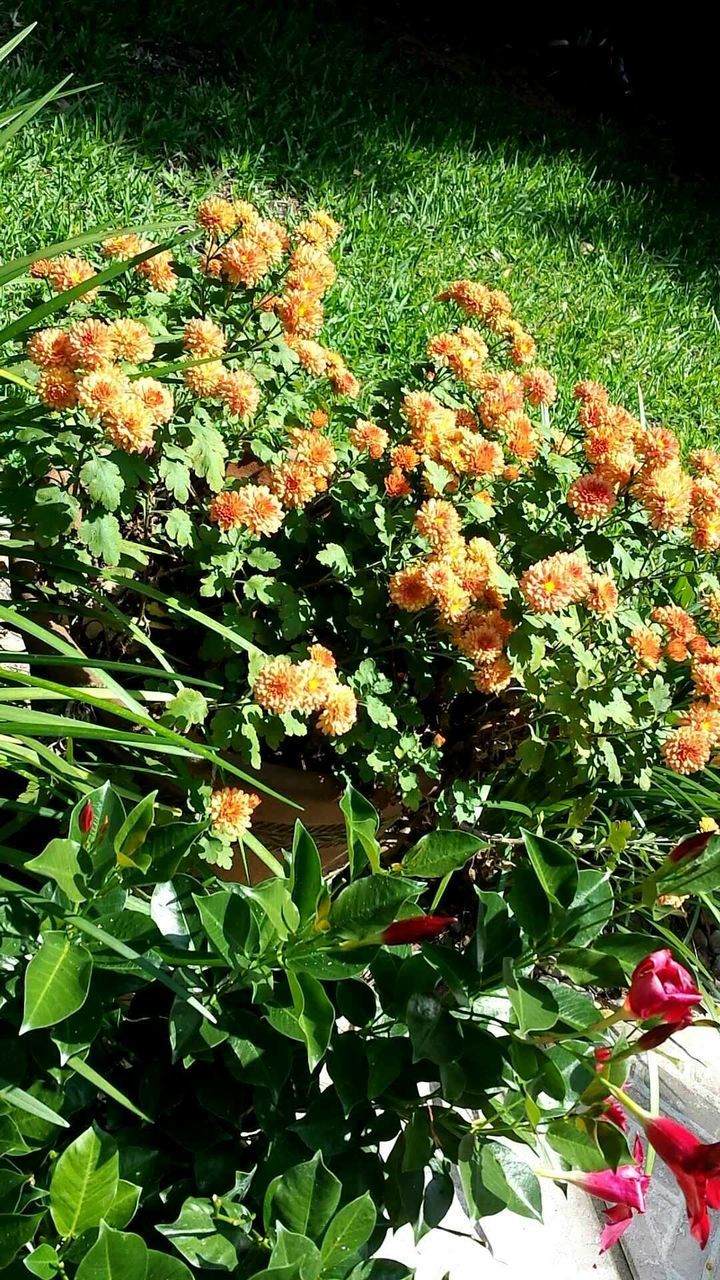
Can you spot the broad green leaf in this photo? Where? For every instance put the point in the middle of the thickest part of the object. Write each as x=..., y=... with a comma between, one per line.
x=297, y=1251
x=102, y=537
x=108, y=816
x=349, y=1230
x=315, y=1014
x=124, y=1206
x=511, y=1180
x=57, y=981
x=434, y=1034
x=84, y=1182
x=627, y=948
x=60, y=861
x=303, y=1199
x=178, y=525
x=195, y=1235
x=439, y=852
x=573, y=1140
x=134, y=830
x=369, y=905
x=362, y=824
x=305, y=873
x=590, y=910
x=116, y=1255
x=103, y=480
x=534, y=1005
x=693, y=875
x=590, y=968
x=15, y=1231
x=43, y=1262
x=229, y=924
x=555, y=867
x=161, y=1266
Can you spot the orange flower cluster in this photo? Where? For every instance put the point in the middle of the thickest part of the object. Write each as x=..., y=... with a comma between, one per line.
x=230, y=811
x=645, y=462
x=82, y=366
x=307, y=687
x=253, y=508
x=446, y=436
x=157, y=270
x=492, y=308
x=551, y=585
x=305, y=469
x=464, y=352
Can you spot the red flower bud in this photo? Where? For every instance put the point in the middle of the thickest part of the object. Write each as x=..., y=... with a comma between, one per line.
x=662, y=988
x=415, y=929
x=691, y=846
x=86, y=819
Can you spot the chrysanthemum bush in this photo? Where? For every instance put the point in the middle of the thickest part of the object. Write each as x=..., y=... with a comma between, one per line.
x=401, y=567
x=264, y=1081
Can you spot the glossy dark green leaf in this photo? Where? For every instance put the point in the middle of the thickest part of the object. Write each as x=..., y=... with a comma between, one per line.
x=367, y=906
x=108, y=817
x=574, y=1140
x=57, y=981
x=555, y=867
x=16, y=1229
x=161, y=1266
x=60, y=861
x=195, y=1235
x=116, y=1255
x=534, y=1005
x=511, y=1180
x=229, y=924
x=348, y=1231
x=84, y=1182
x=303, y=1199
x=361, y=824
x=305, y=873
x=293, y=1250
x=589, y=912
x=134, y=830
x=124, y=1206
x=434, y=1034
x=314, y=1013
x=586, y=966
x=439, y=852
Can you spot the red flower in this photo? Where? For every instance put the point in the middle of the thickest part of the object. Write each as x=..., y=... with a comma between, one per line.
x=86, y=819
x=661, y=988
x=691, y=846
x=696, y=1166
x=624, y=1189
x=415, y=929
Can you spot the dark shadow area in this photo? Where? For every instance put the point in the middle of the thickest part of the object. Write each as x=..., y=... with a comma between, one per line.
x=309, y=87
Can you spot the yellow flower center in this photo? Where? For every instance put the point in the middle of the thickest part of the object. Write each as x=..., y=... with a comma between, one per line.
x=549, y=587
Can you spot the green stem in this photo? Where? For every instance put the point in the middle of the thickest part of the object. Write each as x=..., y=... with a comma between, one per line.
x=634, y=1107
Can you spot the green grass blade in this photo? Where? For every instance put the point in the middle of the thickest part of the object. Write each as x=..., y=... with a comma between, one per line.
x=93, y=1077
x=25, y=1102
x=16, y=266
x=8, y=133
x=14, y=41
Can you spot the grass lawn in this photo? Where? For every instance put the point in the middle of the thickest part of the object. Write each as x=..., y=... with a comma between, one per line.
x=436, y=170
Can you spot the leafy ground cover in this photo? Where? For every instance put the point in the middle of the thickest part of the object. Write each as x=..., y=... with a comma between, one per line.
x=436, y=170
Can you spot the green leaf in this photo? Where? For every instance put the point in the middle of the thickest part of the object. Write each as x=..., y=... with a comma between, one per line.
x=57, y=981
x=195, y=1235
x=362, y=824
x=590, y=910
x=349, y=1230
x=101, y=535
x=314, y=1012
x=179, y=527
x=590, y=968
x=108, y=817
x=575, y=1143
x=699, y=874
x=439, y=852
x=229, y=924
x=168, y=908
x=134, y=830
x=116, y=1255
x=24, y=1101
x=188, y=707
x=84, y=1182
x=335, y=557
x=43, y=1262
x=296, y=1251
x=627, y=948
x=60, y=861
x=207, y=453
x=176, y=476
x=534, y=1005
x=103, y=481
x=530, y=754
x=434, y=1034
x=555, y=867
x=367, y=906
x=161, y=1266
x=124, y=1206
x=15, y=1231
x=379, y=712
x=303, y=1199
x=511, y=1180
x=306, y=877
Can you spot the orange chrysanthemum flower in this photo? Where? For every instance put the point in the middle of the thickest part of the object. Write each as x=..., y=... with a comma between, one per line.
x=494, y=676
x=511, y=472
x=339, y=713
x=397, y=484
x=259, y=510
x=706, y=678
x=98, y=391
x=676, y=621
x=204, y=379
x=711, y=603
x=40, y=269
x=311, y=270
x=156, y=397
x=278, y=687
x=409, y=589
x=225, y=510
x=369, y=438
x=57, y=388
x=294, y=483
x=312, y=355
x=342, y=381
x=319, y=229
x=65, y=273
x=404, y=457
x=686, y=751
x=322, y=655
x=481, y=457
x=658, y=446
x=300, y=313
x=439, y=522
x=129, y=424
x=704, y=718
x=90, y=345
x=451, y=598
x=244, y=261
x=707, y=463
x=502, y=394
x=239, y=391
x=125, y=246
x=318, y=683
x=666, y=493
x=540, y=387
x=550, y=585
x=602, y=598
x=158, y=270
x=706, y=532
x=314, y=449
x=319, y=419
x=591, y=497
x=230, y=811
x=483, y=636
x=217, y=216
x=204, y=338
x=131, y=340
x=591, y=393
x=647, y=647
x=49, y=349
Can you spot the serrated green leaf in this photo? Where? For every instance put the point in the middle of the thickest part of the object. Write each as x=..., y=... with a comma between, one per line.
x=103, y=480
x=102, y=537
